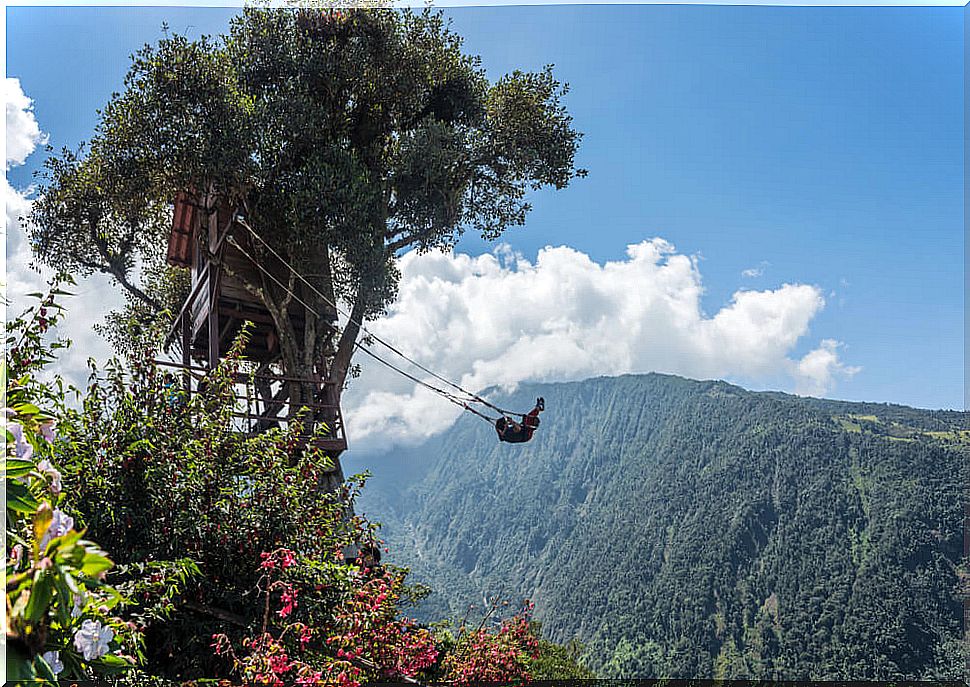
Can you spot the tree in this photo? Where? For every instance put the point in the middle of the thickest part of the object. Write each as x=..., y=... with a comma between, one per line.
x=344, y=137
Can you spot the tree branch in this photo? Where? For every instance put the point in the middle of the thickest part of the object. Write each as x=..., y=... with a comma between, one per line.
x=226, y=616
x=112, y=267
x=406, y=241
x=122, y=279
x=345, y=347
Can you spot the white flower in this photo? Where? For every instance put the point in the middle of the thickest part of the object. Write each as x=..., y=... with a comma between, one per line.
x=47, y=431
x=23, y=447
x=47, y=468
x=61, y=524
x=92, y=639
x=53, y=659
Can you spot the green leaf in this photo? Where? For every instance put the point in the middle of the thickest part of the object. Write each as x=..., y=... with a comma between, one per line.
x=67, y=541
x=141, y=443
x=19, y=498
x=44, y=671
x=95, y=563
x=63, y=582
x=19, y=666
x=42, y=521
x=111, y=664
x=41, y=593
x=17, y=467
x=26, y=409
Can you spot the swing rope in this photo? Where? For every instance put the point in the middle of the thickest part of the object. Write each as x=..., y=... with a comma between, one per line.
x=471, y=395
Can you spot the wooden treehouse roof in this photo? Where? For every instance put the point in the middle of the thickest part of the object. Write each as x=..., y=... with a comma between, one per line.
x=184, y=222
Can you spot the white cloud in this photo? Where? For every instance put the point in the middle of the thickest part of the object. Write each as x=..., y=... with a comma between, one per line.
x=23, y=131
x=753, y=272
x=818, y=370
x=500, y=320
x=94, y=296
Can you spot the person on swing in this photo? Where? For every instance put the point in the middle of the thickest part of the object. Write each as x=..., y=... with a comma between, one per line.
x=515, y=433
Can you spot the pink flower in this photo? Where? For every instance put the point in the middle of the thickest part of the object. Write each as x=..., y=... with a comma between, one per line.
x=305, y=637
x=280, y=663
x=288, y=599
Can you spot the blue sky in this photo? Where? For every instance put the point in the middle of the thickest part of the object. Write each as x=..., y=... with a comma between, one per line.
x=815, y=146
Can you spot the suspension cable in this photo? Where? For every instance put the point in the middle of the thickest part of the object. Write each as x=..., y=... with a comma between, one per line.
x=447, y=395
x=451, y=397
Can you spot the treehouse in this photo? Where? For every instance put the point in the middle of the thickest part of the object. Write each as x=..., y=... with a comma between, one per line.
x=228, y=275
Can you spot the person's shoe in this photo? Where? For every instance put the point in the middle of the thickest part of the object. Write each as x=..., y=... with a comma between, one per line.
x=541, y=403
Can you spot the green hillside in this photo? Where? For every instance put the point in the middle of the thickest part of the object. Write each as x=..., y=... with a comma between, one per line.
x=695, y=529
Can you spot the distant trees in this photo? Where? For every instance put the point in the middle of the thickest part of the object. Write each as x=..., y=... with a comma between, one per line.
x=719, y=532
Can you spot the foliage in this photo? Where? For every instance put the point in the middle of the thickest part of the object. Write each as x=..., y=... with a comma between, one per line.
x=168, y=477
x=344, y=137
x=502, y=656
x=694, y=529
x=62, y=617
x=558, y=661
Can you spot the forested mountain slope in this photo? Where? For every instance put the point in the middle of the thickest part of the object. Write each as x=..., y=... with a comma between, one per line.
x=695, y=529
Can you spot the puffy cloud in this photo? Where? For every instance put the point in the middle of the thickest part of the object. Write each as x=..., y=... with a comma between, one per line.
x=500, y=320
x=817, y=371
x=23, y=131
x=94, y=296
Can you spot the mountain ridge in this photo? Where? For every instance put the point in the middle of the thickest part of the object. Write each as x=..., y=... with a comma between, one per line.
x=693, y=528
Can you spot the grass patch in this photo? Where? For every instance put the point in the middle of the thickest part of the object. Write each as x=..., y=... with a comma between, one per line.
x=959, y=436
x=848, y=425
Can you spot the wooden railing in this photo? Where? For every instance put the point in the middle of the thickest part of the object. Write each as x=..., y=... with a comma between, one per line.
x=256, y=414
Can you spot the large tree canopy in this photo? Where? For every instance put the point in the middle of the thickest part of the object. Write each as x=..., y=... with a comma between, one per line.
x=346, y=136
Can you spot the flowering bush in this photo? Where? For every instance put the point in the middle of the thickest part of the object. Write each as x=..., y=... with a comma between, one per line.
x=363, y=637
x=501, y=655
x=61, y=615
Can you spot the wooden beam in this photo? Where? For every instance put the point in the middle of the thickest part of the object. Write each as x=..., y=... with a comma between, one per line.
x=213, y=293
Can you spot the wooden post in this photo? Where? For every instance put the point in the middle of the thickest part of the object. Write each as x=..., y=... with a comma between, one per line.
x=187, y=351
x=213, y=293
